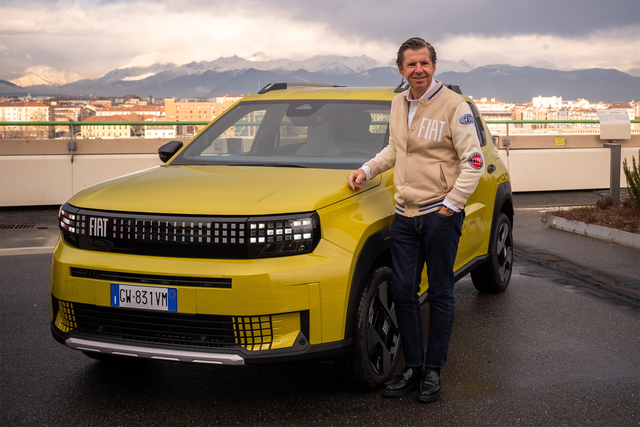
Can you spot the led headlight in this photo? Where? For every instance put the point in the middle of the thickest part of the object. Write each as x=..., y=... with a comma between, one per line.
x=282, y=235
x=69, y=224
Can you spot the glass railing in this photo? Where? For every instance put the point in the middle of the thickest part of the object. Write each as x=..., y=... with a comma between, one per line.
x=496, y=126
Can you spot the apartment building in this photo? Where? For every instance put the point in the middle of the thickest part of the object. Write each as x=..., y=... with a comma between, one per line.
x=155, y=129
x=197, y=109
x=25, y=112
x=159, y=131
x=110, y=131
x=131, y=109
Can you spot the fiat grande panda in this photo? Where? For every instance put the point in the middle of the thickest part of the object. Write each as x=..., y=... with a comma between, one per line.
x=248, y=247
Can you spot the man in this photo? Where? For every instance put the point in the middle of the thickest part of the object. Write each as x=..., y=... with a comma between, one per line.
x=438, y=162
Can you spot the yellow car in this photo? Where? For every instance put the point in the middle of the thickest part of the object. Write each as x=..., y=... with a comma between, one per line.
x=248, y=247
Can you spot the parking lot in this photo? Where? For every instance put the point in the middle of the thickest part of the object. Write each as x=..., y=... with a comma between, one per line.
x=559, y=347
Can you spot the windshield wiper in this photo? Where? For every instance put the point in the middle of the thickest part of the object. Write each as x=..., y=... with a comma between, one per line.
x=286, y=165
x=275, y=165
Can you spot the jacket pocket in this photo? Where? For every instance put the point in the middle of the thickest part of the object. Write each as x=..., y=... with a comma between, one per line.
x=444, y=187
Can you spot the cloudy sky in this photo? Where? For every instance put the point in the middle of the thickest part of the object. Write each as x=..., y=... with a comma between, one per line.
x=88, y=38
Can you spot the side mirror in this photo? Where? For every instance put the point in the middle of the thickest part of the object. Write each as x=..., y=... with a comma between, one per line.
x=168, y=150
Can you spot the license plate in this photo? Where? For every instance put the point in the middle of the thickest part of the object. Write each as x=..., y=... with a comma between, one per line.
x=145, y=297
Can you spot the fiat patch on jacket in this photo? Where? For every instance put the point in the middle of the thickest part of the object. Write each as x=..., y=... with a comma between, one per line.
x=476, y=161
x=467, y=119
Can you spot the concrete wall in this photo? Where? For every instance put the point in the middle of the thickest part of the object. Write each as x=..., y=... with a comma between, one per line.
x=41, y=172
x=539, y=163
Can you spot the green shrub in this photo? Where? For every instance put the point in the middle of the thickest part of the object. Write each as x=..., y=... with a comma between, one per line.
x=633, y=180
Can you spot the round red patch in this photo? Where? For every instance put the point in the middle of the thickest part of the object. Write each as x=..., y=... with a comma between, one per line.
x=476, y=161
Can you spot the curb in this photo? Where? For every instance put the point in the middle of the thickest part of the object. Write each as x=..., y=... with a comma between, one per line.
x=631, y=240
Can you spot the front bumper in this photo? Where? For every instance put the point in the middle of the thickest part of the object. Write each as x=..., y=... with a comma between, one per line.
x=235, y=357
x=274, y=309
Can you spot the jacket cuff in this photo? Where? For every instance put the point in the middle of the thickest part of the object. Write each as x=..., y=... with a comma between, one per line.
x=457, y=198
x=373, y=167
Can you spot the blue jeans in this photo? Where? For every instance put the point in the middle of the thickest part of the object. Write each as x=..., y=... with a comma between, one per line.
x=432, y=238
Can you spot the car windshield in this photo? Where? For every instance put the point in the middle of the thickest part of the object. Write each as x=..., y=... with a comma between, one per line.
x=294, y=133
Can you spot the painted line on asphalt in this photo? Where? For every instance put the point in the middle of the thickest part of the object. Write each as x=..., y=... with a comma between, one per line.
x=33, y=250
x=550, y=208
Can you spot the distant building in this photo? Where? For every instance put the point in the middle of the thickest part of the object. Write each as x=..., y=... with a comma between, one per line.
x=547, y=101
x=197, y=109
x=105, y=102
x=155, y=129
x=25, y=112
x=134, y=99
x=131, y=109
x=110, y=131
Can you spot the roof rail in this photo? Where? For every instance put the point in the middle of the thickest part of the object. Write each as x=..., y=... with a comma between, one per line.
x=454, y=88
x=405, y=85
x=402, y=86
x=280, y=86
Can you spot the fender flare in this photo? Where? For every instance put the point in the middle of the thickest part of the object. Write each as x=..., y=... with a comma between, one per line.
x=375, y=246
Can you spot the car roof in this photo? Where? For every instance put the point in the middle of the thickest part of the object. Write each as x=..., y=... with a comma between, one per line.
x=332, y=92
x=301, y=91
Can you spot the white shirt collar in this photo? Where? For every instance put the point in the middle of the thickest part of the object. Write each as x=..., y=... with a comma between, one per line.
x=429, y=90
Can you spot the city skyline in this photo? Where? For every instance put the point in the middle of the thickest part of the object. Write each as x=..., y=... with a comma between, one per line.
x=69, y=40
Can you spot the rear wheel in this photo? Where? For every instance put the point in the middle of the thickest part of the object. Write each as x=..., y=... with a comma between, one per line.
x=376, y=338
x=494, y=275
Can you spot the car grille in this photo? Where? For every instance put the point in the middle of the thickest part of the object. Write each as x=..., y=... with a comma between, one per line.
x=161, y=235
x=114, y=276
x=142, y=326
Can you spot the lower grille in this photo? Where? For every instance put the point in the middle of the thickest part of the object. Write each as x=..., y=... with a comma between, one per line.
x=113, y=276
x=191, y=330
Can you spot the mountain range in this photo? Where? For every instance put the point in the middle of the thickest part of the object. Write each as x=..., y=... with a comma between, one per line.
x=235, y=75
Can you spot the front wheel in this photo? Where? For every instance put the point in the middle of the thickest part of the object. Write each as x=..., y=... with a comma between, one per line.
x=376, y=338
x=494, y=275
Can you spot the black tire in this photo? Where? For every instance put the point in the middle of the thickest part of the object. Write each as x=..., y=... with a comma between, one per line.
x=376, y=338
x=494, y=275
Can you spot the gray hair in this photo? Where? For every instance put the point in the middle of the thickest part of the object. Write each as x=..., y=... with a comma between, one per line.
x=415, y=43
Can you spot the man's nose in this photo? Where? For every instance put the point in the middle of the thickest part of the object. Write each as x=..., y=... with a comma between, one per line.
x=418, y=68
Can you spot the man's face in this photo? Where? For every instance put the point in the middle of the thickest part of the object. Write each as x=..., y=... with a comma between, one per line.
x=418, y=70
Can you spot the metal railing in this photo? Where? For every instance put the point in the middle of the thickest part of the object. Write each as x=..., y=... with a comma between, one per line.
x=72, y=124
x=201, y=123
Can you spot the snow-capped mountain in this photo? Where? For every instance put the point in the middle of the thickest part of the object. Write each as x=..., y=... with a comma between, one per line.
x=43, y=75
x=236, y=75
x=325, y=64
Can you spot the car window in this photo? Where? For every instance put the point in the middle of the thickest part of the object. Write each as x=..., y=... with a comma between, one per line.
x=478, y=122
x=307, y=133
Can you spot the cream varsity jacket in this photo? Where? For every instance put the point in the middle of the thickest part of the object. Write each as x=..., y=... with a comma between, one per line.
x=438, y=156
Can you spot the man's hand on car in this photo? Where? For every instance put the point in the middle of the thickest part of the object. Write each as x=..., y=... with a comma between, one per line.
x=356, y=178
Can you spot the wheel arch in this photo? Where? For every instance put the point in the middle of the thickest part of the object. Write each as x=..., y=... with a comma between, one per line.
x=375, y=252
x=503, y=203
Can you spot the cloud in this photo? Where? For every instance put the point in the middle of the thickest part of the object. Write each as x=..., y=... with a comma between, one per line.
x=142, y=60
x=90, y=37
x=599, y=50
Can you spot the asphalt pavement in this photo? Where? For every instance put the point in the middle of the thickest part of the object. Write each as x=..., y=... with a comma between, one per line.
x=559, y=348
x=607, y=270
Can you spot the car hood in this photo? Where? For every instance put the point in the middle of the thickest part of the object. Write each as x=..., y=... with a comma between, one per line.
x=220, y=190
